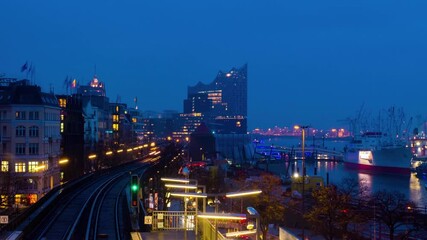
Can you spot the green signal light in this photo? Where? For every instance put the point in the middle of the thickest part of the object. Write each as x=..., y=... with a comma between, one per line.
x=134, y=188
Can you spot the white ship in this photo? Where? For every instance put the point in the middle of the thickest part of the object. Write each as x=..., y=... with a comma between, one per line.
x=376, y=151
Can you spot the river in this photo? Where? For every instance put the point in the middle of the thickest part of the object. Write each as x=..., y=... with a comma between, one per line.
x=411, y=186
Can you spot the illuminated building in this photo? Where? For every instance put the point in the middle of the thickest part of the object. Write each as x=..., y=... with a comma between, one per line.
x=198, y=103
x=121, y=122
x=224, y=101
x=185, y=124
x=30, y=142
x=96, y=115
x=137, y=124
x=222, y=106
x=94, y=88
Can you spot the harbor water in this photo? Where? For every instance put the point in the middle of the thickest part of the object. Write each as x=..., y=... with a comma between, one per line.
x=410, y=185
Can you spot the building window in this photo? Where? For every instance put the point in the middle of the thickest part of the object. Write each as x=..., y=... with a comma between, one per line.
x=20, y=167
x=32, y=198
x=62, y=127
x=115, y=127
x=19, y=115
x=32, y=166
x=34, y=131
x=115, y=118
x=63, y=102
x=20, y=149
x=5, y=166
x=20, y=131
x=33, y=149
x=33, y=115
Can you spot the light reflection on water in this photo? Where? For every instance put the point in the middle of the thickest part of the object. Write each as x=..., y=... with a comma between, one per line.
x=410, y=185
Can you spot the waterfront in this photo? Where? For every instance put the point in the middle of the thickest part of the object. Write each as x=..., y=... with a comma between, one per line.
x=409, y=185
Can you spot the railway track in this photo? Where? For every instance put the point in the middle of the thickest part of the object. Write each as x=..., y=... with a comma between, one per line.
x=93, y=209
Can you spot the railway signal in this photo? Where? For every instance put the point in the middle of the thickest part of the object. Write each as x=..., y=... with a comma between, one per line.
x=134, y=190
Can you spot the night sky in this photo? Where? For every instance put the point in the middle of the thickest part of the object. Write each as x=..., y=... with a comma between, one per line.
x=309, y=61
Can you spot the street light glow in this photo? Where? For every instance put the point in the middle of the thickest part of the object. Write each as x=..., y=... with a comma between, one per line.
x=224, y=216
x=195, y=195
x=92, y=156
x=63, y=161
x=240, y=233
x=40, y=167
x=178, y=180
x=241, y=194
x=183, y=186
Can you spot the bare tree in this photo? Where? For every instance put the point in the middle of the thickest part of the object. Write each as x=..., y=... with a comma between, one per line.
x=395, y=211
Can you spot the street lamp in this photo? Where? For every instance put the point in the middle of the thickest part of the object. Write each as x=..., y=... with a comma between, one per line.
x=303, y=128
x=242, y=194
x=176, y=180
x=187, y=187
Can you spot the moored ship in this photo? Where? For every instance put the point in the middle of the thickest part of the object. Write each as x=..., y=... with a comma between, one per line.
x=375, y=151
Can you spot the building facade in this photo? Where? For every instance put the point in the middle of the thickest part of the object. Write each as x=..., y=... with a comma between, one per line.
x=96, y=110
x=30, y=142
x=72, y=132
x=223, y=101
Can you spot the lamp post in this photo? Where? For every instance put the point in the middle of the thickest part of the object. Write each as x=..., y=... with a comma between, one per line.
x=185, y=185
x=303, y=128
x=242, y=194
x=239, y=194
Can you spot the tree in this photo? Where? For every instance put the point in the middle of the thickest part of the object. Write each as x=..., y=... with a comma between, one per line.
x=329, y=212
x=269, y=203
x=393, y=209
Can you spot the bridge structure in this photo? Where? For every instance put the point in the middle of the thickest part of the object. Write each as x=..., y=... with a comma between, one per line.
x=295, y=153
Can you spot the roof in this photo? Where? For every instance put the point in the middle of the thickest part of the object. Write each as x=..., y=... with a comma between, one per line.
x=26, y=95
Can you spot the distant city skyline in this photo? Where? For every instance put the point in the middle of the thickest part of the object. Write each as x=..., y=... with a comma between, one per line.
x=308, y=62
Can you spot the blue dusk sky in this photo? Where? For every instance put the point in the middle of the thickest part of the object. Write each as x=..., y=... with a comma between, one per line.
x=309, y=61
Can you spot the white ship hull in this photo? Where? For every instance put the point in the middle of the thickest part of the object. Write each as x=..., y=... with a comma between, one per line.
x=393, y=160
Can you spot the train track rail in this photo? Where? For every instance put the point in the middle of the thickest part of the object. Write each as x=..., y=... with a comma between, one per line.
x=85, y=212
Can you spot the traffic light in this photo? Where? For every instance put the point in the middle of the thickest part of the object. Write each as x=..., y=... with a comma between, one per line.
x=134, y=189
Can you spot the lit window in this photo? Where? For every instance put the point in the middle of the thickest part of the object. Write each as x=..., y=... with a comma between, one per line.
x=19, y=115
x=62, y=127
x=115, y=127
x=115, y=118
x=32, y=166
x=20, y=167
x=4, y=201
x=5, y=166
x=63, y=103
x=32, y=198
